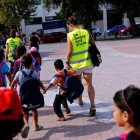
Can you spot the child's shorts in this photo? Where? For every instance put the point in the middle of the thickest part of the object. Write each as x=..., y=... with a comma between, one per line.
x=88, y=69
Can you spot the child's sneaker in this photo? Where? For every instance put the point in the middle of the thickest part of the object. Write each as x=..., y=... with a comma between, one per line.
x=68, y=111
x=60, y=119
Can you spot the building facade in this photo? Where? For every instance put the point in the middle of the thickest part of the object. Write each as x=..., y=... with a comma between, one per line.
x=108, y=19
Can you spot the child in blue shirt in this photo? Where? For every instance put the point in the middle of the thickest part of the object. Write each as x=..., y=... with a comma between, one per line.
x=4, y=70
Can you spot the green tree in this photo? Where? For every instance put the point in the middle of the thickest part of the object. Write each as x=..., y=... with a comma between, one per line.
x=13, y=11
x=85, y=10
x=130, y=7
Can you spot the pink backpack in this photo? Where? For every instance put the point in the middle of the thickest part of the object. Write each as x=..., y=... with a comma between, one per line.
x=1, y=81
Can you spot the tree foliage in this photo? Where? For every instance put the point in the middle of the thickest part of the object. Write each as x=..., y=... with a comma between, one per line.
x=127, y=6
x=13, y=11
x=85, y=10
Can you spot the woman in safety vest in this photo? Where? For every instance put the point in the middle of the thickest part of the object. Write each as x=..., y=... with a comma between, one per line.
x=79, y=59
x=11, y=44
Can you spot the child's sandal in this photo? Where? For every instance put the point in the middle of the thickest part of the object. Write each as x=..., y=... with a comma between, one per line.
x=60, y=119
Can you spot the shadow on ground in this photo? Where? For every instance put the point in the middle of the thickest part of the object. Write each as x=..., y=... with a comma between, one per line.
x=76, y=125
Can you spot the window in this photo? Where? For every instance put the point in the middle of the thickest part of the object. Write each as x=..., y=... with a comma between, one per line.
x=36, y=20
x=49, y=18
x=122, y=26
x=56, y=33
x=138, y=25
x=48, y=35
x=100, y=16
x=94, y=29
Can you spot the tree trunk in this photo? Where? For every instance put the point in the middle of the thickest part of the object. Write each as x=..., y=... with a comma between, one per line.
x=135, y=31
x=88, y=26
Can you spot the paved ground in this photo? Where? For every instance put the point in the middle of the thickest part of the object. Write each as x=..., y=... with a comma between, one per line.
x=119, y=69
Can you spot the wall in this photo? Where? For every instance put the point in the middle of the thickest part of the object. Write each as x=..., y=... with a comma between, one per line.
x=127, y=23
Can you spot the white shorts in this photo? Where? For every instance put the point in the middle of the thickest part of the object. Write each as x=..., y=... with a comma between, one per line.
x=88, y=69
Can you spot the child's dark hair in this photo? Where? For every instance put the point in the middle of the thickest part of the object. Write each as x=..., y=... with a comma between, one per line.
x=1, y=54
x=59, y=64
x=129, y=100
x=26, y=60
x=35, y=54
x=20, y=51
x=14, y=127
x=72, y=20
x=33, y=44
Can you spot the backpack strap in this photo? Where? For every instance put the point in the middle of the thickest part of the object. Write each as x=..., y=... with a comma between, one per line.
x=24, y=73
x=31, y=72
x=66, y=74
x=1, y=64
x=58, y=75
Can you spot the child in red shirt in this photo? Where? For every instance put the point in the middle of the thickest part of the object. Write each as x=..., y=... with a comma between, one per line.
x=60, y=98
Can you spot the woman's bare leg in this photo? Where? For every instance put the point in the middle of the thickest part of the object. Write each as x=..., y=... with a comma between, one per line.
x=80, y=78
x=90, y=88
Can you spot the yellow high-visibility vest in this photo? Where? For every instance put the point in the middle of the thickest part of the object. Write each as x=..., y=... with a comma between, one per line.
x=80, y=42
x=12, y=43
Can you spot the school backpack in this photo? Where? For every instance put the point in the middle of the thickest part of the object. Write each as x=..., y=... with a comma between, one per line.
x=30, y=94
x=1, y=81
x=36, y=65
x=72, y=86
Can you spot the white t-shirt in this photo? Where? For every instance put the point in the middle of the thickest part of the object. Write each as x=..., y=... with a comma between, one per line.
x=20, y=77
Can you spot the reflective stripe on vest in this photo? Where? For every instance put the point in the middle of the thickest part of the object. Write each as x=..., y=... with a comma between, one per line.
x=80, y=42
x=12, y=43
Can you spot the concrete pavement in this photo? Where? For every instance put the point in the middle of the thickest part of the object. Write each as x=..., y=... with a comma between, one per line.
x=119, y=69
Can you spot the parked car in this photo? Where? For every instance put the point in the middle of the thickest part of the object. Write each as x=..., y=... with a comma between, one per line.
x=128, y=31
x=111, y=31
x=54, y=37
x=96, y=30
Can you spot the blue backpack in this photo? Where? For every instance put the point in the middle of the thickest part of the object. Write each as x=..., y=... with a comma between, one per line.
x=72, y=86
x=30, y=94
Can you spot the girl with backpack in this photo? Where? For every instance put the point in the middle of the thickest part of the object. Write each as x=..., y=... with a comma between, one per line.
x=4, y=70
x=36, y=58
x=127, y=113
x=19, y=53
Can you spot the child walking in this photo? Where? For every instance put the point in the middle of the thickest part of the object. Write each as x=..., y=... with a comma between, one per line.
x=27, y=64
x=37, y=61
x=4, y=70
x=60, y=98
x=127, y=113
x=19, y=53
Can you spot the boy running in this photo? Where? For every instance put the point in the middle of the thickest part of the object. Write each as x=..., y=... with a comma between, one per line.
x=60, y=98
